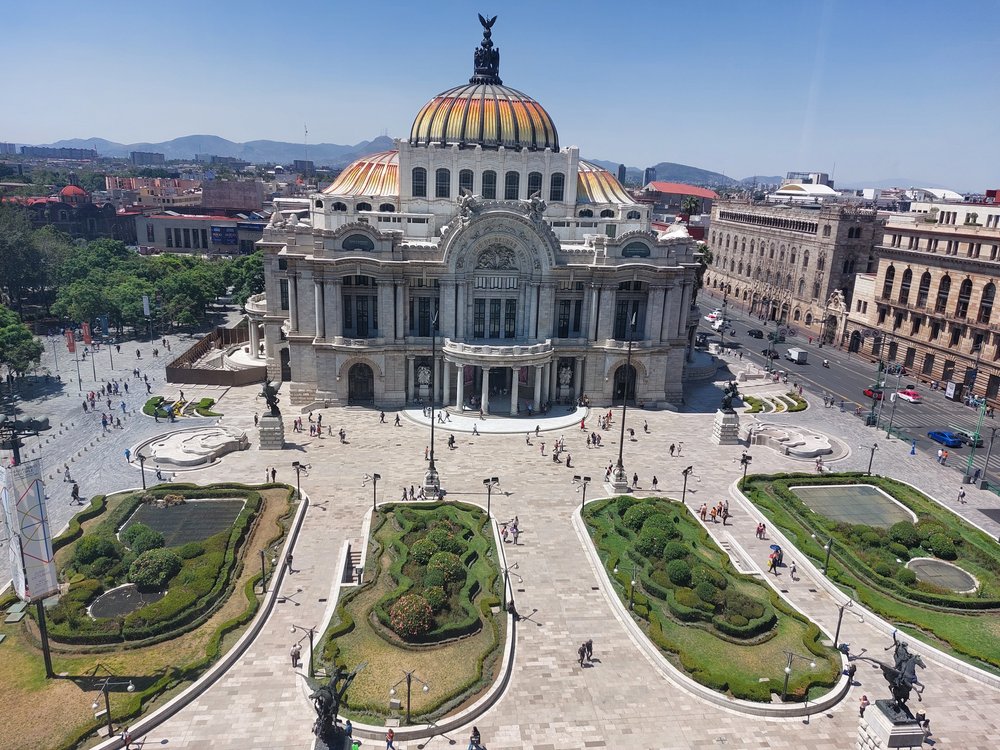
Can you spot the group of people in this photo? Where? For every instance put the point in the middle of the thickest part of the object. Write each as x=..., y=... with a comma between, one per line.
x=716, y=512
x=942, y=456
x=510, y=530
x=412, y=495
x=586, y=652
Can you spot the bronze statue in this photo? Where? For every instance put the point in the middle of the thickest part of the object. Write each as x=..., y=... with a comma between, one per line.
x=270, y=394
x=730, y=392
x=486, y=59
x=901, y=674
x=327, y=699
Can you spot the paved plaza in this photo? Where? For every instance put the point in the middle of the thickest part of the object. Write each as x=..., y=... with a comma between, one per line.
x=625, y=700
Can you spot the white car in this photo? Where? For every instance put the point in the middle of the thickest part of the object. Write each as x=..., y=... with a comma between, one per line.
x=910, y=395
x=713, y=315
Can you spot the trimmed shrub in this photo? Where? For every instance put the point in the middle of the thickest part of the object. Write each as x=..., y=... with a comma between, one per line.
x=191, y=550
x=422, y=550
x=651, y=541
x=449, y=564
x=708, y=593
x=625, y=502
x=411, y=616
x=153, y=568
x=141, y=538
x=927, y=528
x=906, y=576
x=94, y=546
x=436, y=597
x=434, y=577
x=636, y=516
x=883, y=569
x=900, y=550
x=905, y=533
x=444, y=540
x=942, y=547
x=674, y=551
x=741, y=604
x=705, y=574
x=679, y=573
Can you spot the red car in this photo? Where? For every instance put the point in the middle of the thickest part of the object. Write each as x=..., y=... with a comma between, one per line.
x=874, y=393
x=910, y=395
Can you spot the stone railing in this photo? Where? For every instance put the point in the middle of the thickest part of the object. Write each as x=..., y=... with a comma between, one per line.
x=257, y=304
x=499, y=354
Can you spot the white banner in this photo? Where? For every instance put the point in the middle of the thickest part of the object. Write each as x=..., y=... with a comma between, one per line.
x=32, y=563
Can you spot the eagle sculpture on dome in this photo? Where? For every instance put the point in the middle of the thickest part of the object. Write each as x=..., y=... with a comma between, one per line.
x=486, y=59
x=487, y=24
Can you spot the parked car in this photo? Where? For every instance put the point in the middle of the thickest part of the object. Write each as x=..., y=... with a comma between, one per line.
x=947, y=439
x=910, y=395
x=968, y=438
x=875, y=393
x=755, y=333
x=772, y=353
x=713, y=315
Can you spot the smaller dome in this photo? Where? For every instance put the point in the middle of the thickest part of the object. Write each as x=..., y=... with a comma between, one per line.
x=372, y=175
x=73, y=191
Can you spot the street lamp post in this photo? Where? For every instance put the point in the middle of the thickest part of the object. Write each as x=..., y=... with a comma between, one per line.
x=311, y=632
x=722, y=331
x=299, y=468
x=840, y=618
x=621, y=481
x=373, y=478
x=490, y=483
x=745, y=460
x=432, y=480
x=263, y=574
x=788, y=670
x=506, y=582
x=894, y=396
x=829, y=548
x=142, y=467
x=686, y=473
x=581, y=485
x=871, y=458
x=105, y=688
x=631, y=587
x=408, y=679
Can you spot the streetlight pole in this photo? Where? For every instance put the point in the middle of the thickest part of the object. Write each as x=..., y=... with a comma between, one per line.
x=788, y=671
x=432, y=481
x=840, y=619
x=829, y=548
x=409, y=677
x=581, y=484
x=299, y=468
x=105, y=688
x=142, y=467
x=263, y=574
x=490, y=483
x=621, y=481
x=871, y=459
x=989, y=452
x=373, y=478
x=686, y=472
x=975, y=439
x=311, y=633
x=745, y=460
x=506, y=582
x=895, y=397
x=722, y=330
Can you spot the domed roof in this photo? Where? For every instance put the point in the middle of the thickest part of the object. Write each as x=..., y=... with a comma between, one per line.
x=484, y=112
x=597, y=185
x=73, y=191
x=375, y=174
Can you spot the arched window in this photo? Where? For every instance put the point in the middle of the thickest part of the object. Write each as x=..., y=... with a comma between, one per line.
x=821, y=263
x=364, y=207
x=442, y=183
x=387, y=208
x=713, y=238
x=743, y=245
x=607, y=214
x=924, y=289
x=964, y=295
x=635, y=250
x=781, y=254
x=944, y=289
x=557, y=187
x=890, y=278
x=489, y=184
x=585, y=213
x=904, y=287
x=633, y=215
x=751, y=246
x=727, y=241
x=338, y=206
x=788, y=282
x=319, y=204
x=358, y=242
x=796, y=315
x=805, y=259
x=986, y=304
x=815, y=290
x=511, y=186
x=809, y=319
x=534, y=184
x=792, y=256
x=418, y=182
x=739, y=268
x=465, y=181
x=770, y=255
x=802, y=287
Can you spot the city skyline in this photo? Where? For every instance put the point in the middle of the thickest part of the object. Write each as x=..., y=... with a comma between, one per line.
x=850, y=89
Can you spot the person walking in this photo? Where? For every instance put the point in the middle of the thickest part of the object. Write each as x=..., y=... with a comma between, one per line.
x=589, y=644
x=295, y=653
x=961, y=495
x=940, y=454
x=656, y=483
x=127, y=738
x=582, y=653
x=863, y=705
x=635, y=480
x=288, y=562
x=128, y=458
x=256, y=420
x=396, y=422
x=672, y=446
x=944, y=458
x=274, y=474
x=75, y=493
x=381, y=418
x=475, y=740
x=390, y=737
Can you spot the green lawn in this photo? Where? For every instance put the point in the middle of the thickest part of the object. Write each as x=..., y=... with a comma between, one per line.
x=728, y=631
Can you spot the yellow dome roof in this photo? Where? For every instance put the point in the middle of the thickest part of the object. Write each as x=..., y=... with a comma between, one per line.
x=372, y=175
x=484, y=112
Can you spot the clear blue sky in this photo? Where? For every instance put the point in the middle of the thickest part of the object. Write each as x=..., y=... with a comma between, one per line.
x=866, y=90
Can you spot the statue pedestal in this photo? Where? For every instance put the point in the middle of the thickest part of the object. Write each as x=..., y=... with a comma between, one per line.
x=432, y=484
x=565, y=394
x=423, y=393
x=619, y=481
x=884, y=727
x=272, y=433
x=726, y=430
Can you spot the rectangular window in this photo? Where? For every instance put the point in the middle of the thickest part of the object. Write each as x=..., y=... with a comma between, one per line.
x=425, y=316
x=562, y=326
x=490, y=185
x=361, y=323
x=512, y=186
x=442, y=184
x=935, y=330
x=150, y=235
x=187, y=237
x=204, y=238
x=196, y=238
x=534, y=183
x=177, y=237
x=915, y=329
x=621, y=320
x=928, y=364
x=510, y=319
x=283, y=293
x=465, y=181
x=948, y=371
x=494, y=318
x=170, y=238
x=479, y=319
x=348, y=313
x=956, y=336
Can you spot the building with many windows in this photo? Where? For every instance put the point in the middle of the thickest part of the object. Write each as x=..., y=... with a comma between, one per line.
x=531, y=271
x=933, y=297
x=784, y=262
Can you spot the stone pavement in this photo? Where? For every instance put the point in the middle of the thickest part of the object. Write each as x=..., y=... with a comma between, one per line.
x=623, y=700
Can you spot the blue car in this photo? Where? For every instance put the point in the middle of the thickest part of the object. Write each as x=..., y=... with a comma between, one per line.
x=947, y=439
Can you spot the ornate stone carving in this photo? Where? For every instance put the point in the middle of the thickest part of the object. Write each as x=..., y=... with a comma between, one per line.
x=423, y=375
x=497, y=258
x=565, y=375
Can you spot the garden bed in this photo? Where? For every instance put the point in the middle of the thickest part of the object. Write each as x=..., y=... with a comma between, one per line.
x=428, y=608
x=872, y=561
x=728, y=631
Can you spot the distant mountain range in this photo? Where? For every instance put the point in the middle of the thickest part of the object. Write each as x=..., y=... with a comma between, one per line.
x=668, y=171
x=255, y=152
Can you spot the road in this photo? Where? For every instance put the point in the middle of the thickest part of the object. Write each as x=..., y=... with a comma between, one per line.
x=848, y=376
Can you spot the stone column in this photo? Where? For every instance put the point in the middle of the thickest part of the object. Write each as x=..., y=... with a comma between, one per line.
x=667, y=314
x=593, y=314
x=293, y=303
x=334, y=308
x=400, y=331
x=578, y=377
x=410, y=381
x=553, y=383
x=319, y=308
x=460, y=333
x=485, y=395
x=606, y=324
x=530, y=311
x=254, y=334
x=685, y=307
x=446, y=294
x=654, y=314
x=546, y=307
x=460, y=388
x=537, y=402
x=386, y=313
x=446, y=383
x=515, y=389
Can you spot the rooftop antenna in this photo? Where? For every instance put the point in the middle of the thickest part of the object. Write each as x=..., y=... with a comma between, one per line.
x=305, y=141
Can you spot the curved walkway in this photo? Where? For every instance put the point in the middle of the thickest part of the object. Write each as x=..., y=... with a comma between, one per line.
x=557, y=418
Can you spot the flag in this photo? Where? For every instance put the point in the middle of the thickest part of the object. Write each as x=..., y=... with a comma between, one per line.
x=70, y=341
x=85, y=328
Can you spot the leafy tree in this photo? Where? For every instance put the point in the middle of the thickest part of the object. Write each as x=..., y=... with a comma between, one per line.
x=19, y=349
x=704, y=261
x=20, y=270
x=246, y=276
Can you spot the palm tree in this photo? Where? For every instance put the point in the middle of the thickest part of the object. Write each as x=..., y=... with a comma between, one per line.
x=691, y=205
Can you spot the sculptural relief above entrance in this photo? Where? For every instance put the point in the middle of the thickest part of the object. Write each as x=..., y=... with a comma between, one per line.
x=497, y=258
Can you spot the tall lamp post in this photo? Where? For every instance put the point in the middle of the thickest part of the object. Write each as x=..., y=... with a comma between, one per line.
x=871, y=458
x=581, y=485
x=489, y=483
x=507, y=572
x=311, y=632
x=829, y=548
x=432, y=480
x=686, y=473
x=631, y=587
x=408, y=678
x=105, y=688
x=788, y=670
x=621, y=481
x=373, y=478
x=984, y=484
x=840, y=618
x=745, y=460
x=142, y=467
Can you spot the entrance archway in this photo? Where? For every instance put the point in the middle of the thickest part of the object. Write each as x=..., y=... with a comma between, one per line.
x=624, y=384
x=286, y=365
x=855, y=345
x=360, y=384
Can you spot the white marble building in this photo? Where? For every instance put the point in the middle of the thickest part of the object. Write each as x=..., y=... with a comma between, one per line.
x=534, y=263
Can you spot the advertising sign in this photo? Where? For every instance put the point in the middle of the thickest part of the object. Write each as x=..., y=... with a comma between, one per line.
x=70, y=341
x=85, y=329
x=225, y=236
x=29, y=546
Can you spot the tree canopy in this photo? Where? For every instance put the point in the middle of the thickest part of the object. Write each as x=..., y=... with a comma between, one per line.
x=19, y=350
